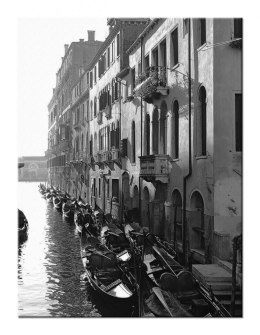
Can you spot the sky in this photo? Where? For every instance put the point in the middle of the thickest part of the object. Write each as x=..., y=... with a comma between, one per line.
x=40, y=48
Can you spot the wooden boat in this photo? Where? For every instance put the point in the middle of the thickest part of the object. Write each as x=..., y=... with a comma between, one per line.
x=57, y=202
x=22, y=226
x=67, y=209
x=107, y=273
x=173, y=290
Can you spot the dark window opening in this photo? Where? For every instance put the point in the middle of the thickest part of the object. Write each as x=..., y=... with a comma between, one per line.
x=175, y=129
x=163, y=53
x=238, y=28
x=133, y=142
x=115, y=188
x=155, y=57
x=202, y=27
x=238, y=121
x=175, y=51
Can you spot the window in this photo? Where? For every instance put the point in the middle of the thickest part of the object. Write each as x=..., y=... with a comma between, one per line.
x=155, y=57
x=163, y=53
x=99, y=187
x=147, y=134
x=91, y=79
x=133, y=78
x=117, y=44
x=94, y=187
x=139, y=68
x=108, y=57
x=113, y=52
x=115, y=188
x=108, y=184
x=175, y=51
x=238, y=122
x=95, y=74
x=147, y=62
x=202, y=31
x=202, y=123
x=133, y=141
x=91, y=110
x=175, y=129
x=95, y=107
x=185, y=26
x=238, y=28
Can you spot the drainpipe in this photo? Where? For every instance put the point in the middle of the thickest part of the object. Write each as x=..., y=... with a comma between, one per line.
x=185, y=238
x=141, y=41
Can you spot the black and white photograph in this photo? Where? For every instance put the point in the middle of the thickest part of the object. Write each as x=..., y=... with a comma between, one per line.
x=129, y=167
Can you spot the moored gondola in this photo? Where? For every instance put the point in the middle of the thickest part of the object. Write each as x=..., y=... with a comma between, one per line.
x=22, y=226
x=108, y=273
x=170, y=289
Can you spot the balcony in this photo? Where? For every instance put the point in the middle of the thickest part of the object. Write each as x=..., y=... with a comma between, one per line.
x=151, y=84
x=115, y=155
x=154, y=168
x=107, y=111
x=97, y=159
x=106, y=156
x=64, y=145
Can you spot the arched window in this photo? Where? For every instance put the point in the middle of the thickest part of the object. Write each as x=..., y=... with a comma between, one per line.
x=147, y=134
x=163, y=129
x=175, y=130
x=133, y=141
x=202, y=123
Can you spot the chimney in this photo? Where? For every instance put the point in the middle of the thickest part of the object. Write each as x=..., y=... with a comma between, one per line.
x=66, y=47
x=91, y=35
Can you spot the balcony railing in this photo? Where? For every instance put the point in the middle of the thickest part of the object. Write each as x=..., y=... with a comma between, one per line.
x=115, y=154
x=107, y=111
x=154, y=168
x=106, y=156
x=152, y=83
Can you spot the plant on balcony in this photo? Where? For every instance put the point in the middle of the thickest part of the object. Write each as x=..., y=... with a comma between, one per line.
x=148, y=81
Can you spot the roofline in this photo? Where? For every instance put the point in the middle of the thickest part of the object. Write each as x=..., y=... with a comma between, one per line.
x=143, y=34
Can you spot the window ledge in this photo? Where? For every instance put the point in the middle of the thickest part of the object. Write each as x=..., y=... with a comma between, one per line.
x=201, y=46
x=175, y=66
x=133, y=164
x=201, y=157
x=175, y=159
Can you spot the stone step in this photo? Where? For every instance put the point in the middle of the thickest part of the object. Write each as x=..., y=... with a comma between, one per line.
x=219, y=286
x=226, y=293
x=225, y=265
x=211, y=272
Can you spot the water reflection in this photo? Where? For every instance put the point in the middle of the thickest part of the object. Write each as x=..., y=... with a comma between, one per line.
x=49, y=265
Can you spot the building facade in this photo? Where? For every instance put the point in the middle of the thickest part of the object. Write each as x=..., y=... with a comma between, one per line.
x=185, y=112
x=154, y=124
x=76, y=58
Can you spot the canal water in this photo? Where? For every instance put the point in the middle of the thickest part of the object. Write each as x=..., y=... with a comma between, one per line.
x=50, y=272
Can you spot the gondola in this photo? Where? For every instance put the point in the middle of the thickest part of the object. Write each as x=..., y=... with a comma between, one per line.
x=67, y=209
x=171, y=290
x=22, y=226
x=108, y=273
x=57, y=202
